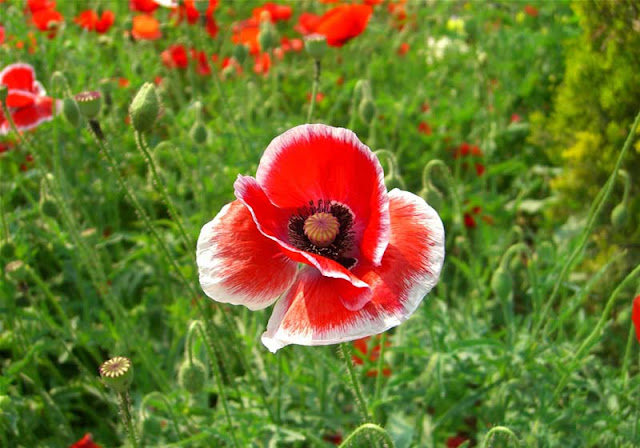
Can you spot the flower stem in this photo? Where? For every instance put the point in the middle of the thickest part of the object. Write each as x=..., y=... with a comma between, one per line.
x=368, y=428
x=125, y=410
x=142, y=145
x=595, y=210
x=314, y=88
x=500, y=429
x=345, y=353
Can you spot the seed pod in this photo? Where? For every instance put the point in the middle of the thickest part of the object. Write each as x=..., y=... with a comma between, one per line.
x=316, y=45
x=144, y=108
x=117, y=373
x=89, y=104
x=192, y=376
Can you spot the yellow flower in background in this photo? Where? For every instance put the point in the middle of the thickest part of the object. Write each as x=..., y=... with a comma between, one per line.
x=455, y=24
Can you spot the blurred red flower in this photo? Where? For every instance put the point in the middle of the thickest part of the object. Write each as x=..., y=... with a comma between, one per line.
x=456, y=441
x=85, y=442
x=1, y=34
x=338, y=25
x=175, y=57
x=262, y=63
x=47, y=20
x=40, y=5
x=403, y=49
x=276, y=13
x=424, y=128
x=635, y=315
x=188, y=10
x=146, y=27
x=531, y=10
x=319, y=97
x=89, y=20
x=146, y=6
x=26, y=100
x=364, y=355
x=515, y=118
x=202, y=64
x=246, y=33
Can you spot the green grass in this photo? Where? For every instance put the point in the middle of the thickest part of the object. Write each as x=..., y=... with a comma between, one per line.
x=517, y=345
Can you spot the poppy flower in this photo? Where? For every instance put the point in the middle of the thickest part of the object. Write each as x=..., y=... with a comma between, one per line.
x=175, y=57
x=277, y=13
x=189, y=11
x=403, y=49
x=343, y=23
x=146, y=6
x=246, y=33
x=424, y=128
x=47, y=20
x=26, y=99
x=40, y=5
x=1, y=34
x=146, y=27
x=365, y=355
x=307, y=22
x=635, y=315
x=531, y=10
x=85, y=442
x=90, y=21
x=369, y=256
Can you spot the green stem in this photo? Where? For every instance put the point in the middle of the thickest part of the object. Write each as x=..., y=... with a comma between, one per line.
x=588, y=342
x=595, y=210
x=142, y=145
x=125, y=409
x=314, y=88
x=368, y=428
x=5, y=226
x=345, y=353
x=627, y=357
x=379, y=367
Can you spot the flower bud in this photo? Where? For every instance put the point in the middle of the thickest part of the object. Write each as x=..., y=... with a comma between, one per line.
x=431, y=197
x=89, y=104
x=144, y=108
x=240, y=53
x=117, y=373
x=7, y=250
x=619, y=216
x=199, y=133
x=316, y=45
x=71, y=111
x=501, y=283
x=366, y=110
x=268, y=37
x=192, y=376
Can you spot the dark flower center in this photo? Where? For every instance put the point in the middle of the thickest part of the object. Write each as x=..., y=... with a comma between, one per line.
x=324, y=228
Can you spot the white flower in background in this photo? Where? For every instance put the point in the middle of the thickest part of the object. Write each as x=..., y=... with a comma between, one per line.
x=437, y=48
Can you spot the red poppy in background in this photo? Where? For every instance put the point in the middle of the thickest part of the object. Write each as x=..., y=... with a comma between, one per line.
x=339, y=24
x=90, y=21
x=146, y=6
x=635, y=315
x=146, y=27
x=175, y=57
x=319, y=199
x=364, y=354
x=277, y=13
x=457, y=440
x=26, y=100
x=403, y=49
x=47, y=20
x=246, y=33
x=188, y=11
x=1, y=34
x=85, y=442
x=40, y=5
x=202, y=64
x=531, y=10
x=262, y=63
x=424, y=128
x=307, y=22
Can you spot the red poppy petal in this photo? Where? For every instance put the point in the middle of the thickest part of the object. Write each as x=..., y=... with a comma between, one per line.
x=635, y=315
x=20, y=98
x=273, y=222
x=18, y=76
x=315, y=161
x=237, y=264
x=32, y=116
x=311, y=313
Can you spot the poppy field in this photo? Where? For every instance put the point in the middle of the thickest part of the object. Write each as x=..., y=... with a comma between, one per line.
x=317, y=223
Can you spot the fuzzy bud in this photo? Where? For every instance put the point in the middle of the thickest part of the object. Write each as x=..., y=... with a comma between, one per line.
x=366, y=110
x=619, y=216
x=192, y=376
x=145, y=107
x=316, y=45
x=199, y=133
x=240, y=53
x=7, y=250
x=117, y=373
x=89, y=104
x=501, y=283
x=431, y=197
x=268, y=37
x=71, y=111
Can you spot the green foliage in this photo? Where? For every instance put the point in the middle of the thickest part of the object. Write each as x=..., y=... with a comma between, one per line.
x=593, y=109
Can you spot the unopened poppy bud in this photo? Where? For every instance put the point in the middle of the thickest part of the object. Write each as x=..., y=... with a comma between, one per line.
x=316, y=45
x=268, y=37
x=199, y=133
x=431, y=197
x=192, y=376
x=117, y=373
x=59, y=84
x=144, y=108
x=501, y=283
x=71, y=111
x=366, y=110
x=49, y=208
x=240, y=53
x=201, y=6
x=362, y=89
x=89, y=104
x=7, y=250
x=619, y=215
